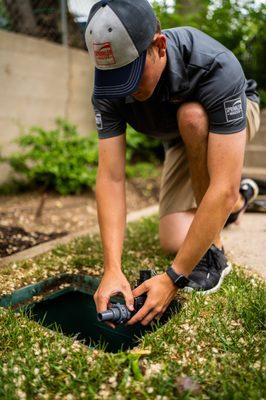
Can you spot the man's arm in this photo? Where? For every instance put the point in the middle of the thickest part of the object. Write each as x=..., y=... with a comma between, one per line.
x=110, y=196
x=225, y=162
x=111, y=207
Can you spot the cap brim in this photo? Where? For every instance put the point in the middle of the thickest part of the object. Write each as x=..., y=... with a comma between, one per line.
x=119, y=82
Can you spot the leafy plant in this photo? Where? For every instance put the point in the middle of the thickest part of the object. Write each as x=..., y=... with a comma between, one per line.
x=62, y=160
x=143, y=170
x=59, y=159
x=142, y=148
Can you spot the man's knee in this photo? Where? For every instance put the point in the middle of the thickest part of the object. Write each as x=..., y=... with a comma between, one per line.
x=192, y=121
x=169, y=234
x=173, y=229
x=168, y=245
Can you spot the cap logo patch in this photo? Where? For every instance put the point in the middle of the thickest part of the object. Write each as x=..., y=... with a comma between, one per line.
x=233, y=109
x=103, y=53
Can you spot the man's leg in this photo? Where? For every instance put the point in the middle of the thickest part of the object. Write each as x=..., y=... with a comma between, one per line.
x=193, y=126
x=176, y=199
x=194, y=129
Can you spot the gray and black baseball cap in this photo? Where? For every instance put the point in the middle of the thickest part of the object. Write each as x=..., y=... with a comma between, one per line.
x=118, y=34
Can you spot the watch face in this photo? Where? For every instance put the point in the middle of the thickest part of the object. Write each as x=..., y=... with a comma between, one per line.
x=181, y=281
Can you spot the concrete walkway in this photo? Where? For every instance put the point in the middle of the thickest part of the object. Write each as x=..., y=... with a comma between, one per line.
x=245, y=244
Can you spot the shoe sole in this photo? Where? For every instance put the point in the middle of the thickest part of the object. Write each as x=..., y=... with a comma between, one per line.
x=225, y=272
x=254, y=186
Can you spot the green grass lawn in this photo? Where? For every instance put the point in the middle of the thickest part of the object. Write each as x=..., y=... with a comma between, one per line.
x=214, y=345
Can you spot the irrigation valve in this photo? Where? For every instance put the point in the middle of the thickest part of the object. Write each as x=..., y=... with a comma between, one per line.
x=119, y=313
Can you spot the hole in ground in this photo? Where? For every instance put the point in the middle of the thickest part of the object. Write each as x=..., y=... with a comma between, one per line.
x=71, y=308
x=75, y=314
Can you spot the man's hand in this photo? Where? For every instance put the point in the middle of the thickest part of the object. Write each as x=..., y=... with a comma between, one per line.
x=160, y=292
x=113, y=282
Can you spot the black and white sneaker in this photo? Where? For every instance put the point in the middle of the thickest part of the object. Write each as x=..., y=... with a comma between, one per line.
x=208, y=275
x=249, y=191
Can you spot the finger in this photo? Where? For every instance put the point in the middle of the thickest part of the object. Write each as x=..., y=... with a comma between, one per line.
x=101, y=303
x=148, y=319
x=111, y=325
x=138, y=291
x=140, y=314
x=129, y=299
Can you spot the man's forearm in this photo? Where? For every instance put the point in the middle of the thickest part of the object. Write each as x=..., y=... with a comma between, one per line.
x=208, y=222
x=111, y=206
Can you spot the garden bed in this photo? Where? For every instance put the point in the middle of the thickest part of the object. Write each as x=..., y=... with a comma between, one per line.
x=14, y=239
x=214, y=346
x=20, y=230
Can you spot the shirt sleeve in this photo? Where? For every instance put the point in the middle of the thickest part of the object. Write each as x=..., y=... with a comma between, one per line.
x=108, y=121
x=222, y=93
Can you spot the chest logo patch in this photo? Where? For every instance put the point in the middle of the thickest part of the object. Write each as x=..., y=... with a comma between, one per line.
x=233, y=109
x=103, y=53
x=99, y=121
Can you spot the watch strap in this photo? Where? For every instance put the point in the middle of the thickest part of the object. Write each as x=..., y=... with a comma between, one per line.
x=178, y=279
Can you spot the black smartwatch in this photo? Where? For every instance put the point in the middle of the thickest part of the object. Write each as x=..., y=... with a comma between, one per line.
x=179, y=280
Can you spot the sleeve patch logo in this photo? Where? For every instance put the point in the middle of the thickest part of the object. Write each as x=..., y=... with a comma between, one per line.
x=103, y=53
x=233, y=109
x=99, y=121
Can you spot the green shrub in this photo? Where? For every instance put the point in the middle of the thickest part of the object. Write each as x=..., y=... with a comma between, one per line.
x=143, y=148
x=64, y=161
x=59, y=159
x=143, y=170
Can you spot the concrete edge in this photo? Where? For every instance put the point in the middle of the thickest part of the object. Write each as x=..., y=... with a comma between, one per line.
x=48, y=246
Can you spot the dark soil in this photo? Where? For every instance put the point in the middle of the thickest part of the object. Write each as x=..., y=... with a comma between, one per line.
x=15, y=239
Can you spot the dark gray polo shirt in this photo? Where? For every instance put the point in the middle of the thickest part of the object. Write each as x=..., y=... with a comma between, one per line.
x=198, y=69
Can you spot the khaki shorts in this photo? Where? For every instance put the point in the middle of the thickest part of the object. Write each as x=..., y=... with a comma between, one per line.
x=176, y=192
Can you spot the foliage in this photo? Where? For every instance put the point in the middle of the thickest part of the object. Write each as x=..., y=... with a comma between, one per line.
x=143, y=170
x=66, y=162
x=59, y=159
x=142, y=148
x=239, y=25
